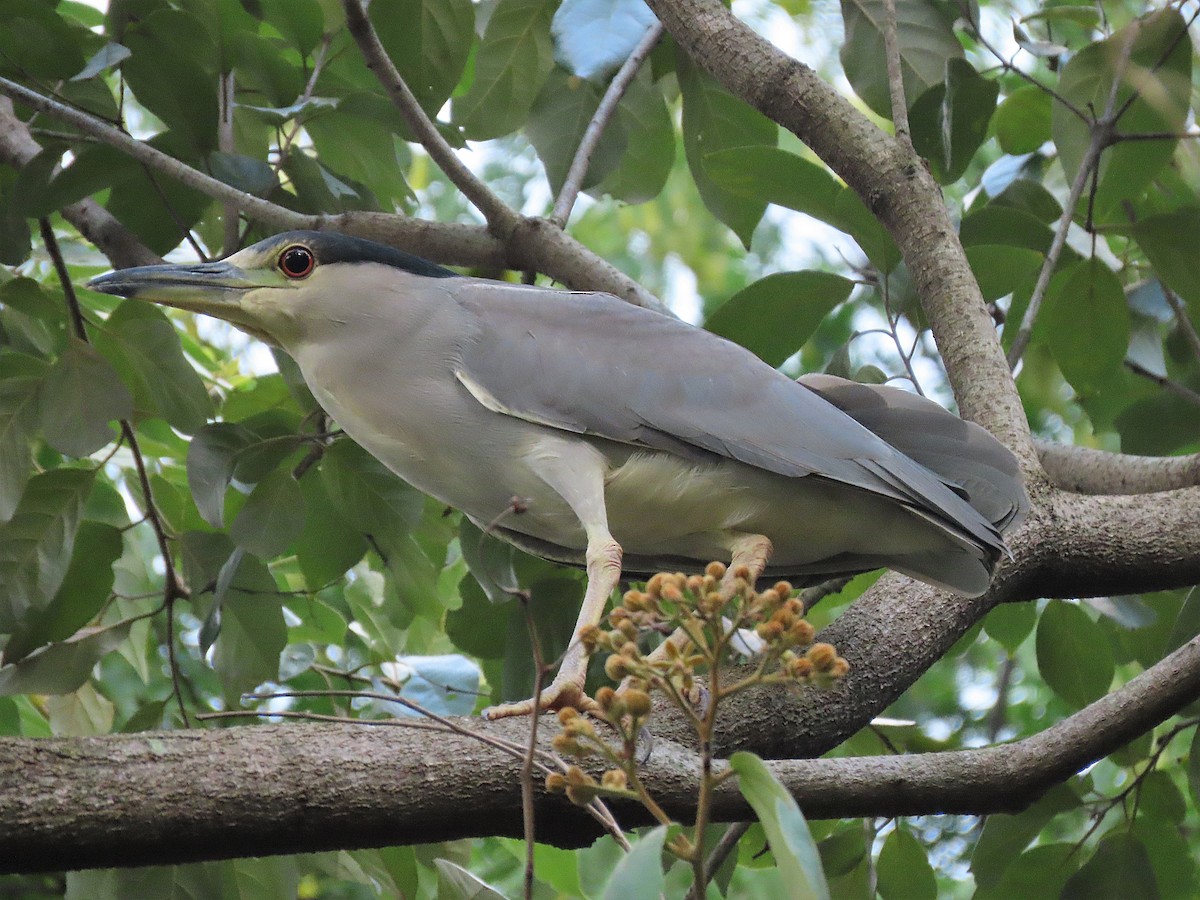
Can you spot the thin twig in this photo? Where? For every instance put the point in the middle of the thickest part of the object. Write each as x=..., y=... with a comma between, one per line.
x=1183, y=320
x=231, y=239
x=895, y=74
x=607, y=108
x=1086, y=165
x=174, y=588
x=726, y=845
x=1179, y=390
x=527, y=809
x=501, y=218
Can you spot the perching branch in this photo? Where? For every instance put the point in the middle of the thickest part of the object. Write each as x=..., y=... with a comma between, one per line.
x=1084, y=470
x=607, y=108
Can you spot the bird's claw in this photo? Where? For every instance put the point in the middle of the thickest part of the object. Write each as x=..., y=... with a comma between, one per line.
x=557, y=696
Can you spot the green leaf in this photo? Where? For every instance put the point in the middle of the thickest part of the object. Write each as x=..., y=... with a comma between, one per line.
x=1160, y=91
x=1001, y=269
x=559, y=117
x=842, y=850
x=714, y=120
x=18, y=422
x=84, y=590
x=776, y=315
x=82, y=393
x=1073, y=654
x=1038, y=872
x=791, y=843
x=1010, y=623
x=1187, y=624
x=639, y=874
x=37, y=542
x=1193, y=769
x=143, y=347
x=301, y=22
x=926, y=42
x=514, y=58
x=1166, y=239
x=429, y=41
x=328, y=545
x=1120, y=869
x=1022, y=121
x=456, y=883
x=903, y=870
x=370, y=497
x=1085, y=322
x=490, y=561
x=1005, y=836
x=253, y=632
x=272, y=516
x=62, y=667
x=479, y=626
x=253, y=176
x=950, y=121
x=642, y=170
x=211, y=459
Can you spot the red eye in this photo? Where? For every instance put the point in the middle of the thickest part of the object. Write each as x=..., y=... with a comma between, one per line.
x=297, y=261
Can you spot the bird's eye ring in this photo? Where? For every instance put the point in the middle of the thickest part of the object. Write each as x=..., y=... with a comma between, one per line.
x=297, y=261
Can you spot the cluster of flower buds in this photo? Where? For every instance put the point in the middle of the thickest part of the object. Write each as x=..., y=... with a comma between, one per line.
x=578, y=738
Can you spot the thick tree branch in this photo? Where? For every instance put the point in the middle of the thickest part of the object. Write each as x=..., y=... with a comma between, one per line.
x=94, y=222
x=1084, y=470
x=895, y=185
x=178, y=796
x=533, y=244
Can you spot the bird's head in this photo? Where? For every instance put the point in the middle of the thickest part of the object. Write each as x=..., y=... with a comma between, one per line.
x=268, y=288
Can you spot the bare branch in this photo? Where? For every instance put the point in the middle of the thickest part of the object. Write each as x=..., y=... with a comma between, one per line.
x=891, y=50
x=607, y=108
x=1084, y=470
x=1183, y=320
x=1182, y=391
x=501, y=218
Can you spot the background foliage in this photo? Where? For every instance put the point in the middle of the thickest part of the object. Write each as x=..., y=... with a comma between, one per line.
x=292, y=557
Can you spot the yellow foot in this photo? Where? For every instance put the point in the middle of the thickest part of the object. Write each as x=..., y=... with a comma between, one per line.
x=557, y=696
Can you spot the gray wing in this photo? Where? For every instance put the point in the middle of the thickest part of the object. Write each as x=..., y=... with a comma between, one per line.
x=958, y=451
x=592, y=364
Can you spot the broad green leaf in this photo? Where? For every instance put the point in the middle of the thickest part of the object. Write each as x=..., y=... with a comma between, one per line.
x=842, y=850
x=1193, y=770
x=1005, y=836
x=1029, y=196
x=143, y=347
x=1169, y=849
x=775, y=316
x=35, y=43
x=272, y=516
x=479, y=626
x=1119, y=870
x=639, y=874
x=554, y=603
x=456, y=883
x=1073, y=653
x=37, y=542
x=775, y=175
x=170, y=53
x=641, y=173
x=84, y=590
x=329, y=545
x=1160, y=799
x=429, y=41
x=514, y=58
x=253, y=176
x=1085, y=322
x=1010, y=624
x=791, y=843
x=490, y=561
x=903, y=870
x=950, y=121
x=191, y=882
x=18, y=423
x=714, y=120
x=1160, y=91
x=560, y=115
x=111, y=54
x=1022, y=120
x=211, y=459
x=1001, y=269
x=1039, y=872
x=359, y=144
x=301, y=22
x=370, y=497
x=81, y=394
x=253, y=632
x=1167, y=241
x=926, y=42
x=62, y=667
x=82, y=713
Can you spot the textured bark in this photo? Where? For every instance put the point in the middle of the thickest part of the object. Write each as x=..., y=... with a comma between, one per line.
x=1088, y=471
x=187, y=795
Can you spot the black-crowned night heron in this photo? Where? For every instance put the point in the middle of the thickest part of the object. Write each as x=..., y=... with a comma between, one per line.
x=625, y=433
